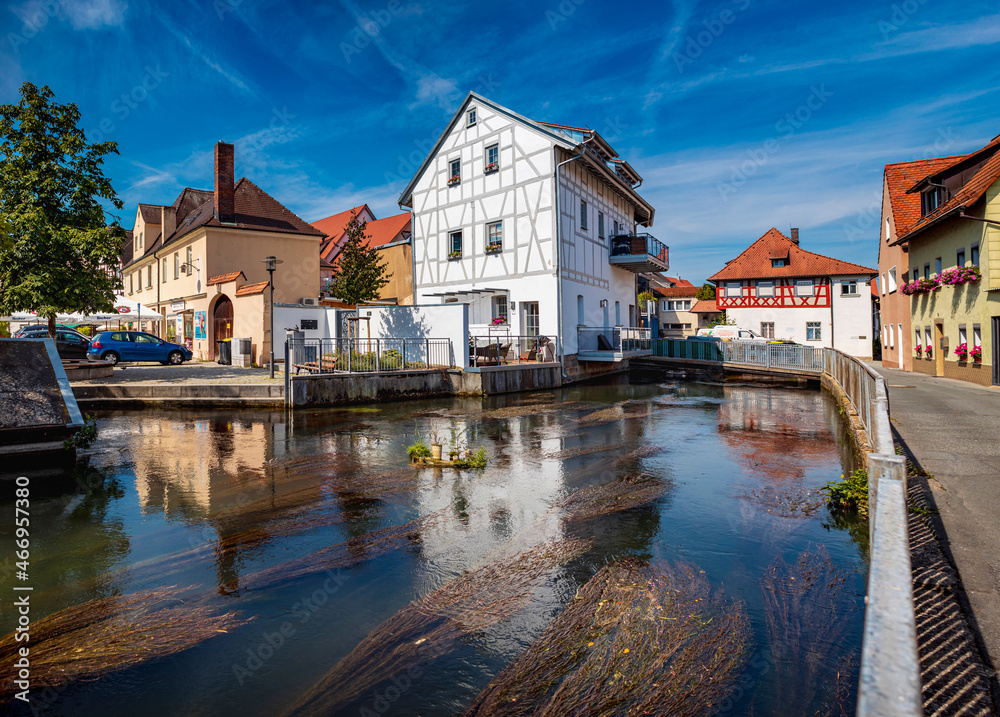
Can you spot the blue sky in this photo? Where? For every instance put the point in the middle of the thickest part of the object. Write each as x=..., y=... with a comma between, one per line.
x=739, y=114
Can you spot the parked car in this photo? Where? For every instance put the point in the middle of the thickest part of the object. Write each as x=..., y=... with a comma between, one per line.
x=70, y=344
x=115, y=346
x=30, y=328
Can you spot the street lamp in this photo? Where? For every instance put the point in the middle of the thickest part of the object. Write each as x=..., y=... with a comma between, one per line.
x=270, y=263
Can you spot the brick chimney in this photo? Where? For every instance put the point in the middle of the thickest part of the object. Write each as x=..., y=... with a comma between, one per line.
x=795, y=236
x=225, y=196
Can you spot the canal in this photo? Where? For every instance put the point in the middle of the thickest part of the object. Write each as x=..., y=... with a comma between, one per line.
x=255, y=563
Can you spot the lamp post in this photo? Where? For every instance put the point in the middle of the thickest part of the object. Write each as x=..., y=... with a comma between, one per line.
x=270, y=263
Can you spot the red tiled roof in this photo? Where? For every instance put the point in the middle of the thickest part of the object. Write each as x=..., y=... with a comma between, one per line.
x=334, y=227
x=383, y=231
x=705, y=306
x=251, y=289
x=755, y=261
x=678, y=282
x=675, y=291
x=900, y=177
x=224, y=278
x=970, y=193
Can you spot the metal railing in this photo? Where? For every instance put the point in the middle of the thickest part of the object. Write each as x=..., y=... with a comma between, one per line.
x=637, y=245
x=367, y=355
x=889, y=685
x=495, y=349
x=618, y=338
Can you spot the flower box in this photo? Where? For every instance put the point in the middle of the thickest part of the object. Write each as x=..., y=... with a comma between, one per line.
x=454, y=180
x=961, y=275
x=490, y=168
x=977, y=354
x=499, y=321
x=921, y=286
x=494, y=248
x=919, y=349
x=962, y=352
x=453, y=255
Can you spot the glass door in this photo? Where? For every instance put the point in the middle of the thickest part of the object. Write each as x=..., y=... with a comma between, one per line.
x=530, y=318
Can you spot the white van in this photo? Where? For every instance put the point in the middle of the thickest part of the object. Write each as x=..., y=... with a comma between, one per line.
x=730, y=333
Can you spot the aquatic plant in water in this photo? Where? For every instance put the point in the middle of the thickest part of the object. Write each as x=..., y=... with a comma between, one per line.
x=431, y=626
x=850, y=493
x=637, y=639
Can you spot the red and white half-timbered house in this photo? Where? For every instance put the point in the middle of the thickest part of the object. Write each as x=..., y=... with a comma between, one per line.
x=782, y=291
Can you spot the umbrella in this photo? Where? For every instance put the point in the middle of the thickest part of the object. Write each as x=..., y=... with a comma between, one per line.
x=125, y=310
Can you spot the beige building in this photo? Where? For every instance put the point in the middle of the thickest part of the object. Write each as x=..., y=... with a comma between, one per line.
x=676, y=300
x=199, y=262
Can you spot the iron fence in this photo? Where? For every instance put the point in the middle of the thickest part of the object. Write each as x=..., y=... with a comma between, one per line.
x=695, y=349
x=618, y=338
x=367, y=355
x=506, y=349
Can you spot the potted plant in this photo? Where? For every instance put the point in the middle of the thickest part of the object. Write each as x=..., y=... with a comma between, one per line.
x=452, y=255
x=930, y=350
x=499, y=321
x=919, y=348
x=435, y=447
x=962, y=352
x=494, y=247
x=454, y=180
x=977, y=354
x=491, y=167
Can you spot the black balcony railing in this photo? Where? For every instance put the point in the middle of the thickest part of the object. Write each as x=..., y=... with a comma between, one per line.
x=639, y=252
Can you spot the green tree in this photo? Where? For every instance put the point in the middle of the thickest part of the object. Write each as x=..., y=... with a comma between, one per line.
x=359, y=274
x=705, y=293
x=57, y=251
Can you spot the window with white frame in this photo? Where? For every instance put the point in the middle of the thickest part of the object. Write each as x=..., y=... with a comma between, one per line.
x=189, y=253
x=778, y=263
x=977, y=335
x=734, y=289
x=888, y=234
x=163, y=273
x=814, y=331
x=492, y=157
x=494, y=237
x=767, y=329
x=848, y=287
x=455, y=171
x=892, y=279
x=919, y=340
x=455, y=244
x=177, y=265
x=149, y=276
x=765, y=288
x=963, y=337
x=500, y=307
x=928, y=340
x=583, y=215
x=130, y=287
x=892, y=337
x=881, y=284
x=804, y=287
x=472, y=117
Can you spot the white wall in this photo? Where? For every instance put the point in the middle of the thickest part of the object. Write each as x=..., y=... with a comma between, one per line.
x=852, y=318
x=433, y=321
x=288, y=316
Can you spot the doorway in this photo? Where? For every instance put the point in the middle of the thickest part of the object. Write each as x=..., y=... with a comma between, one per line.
x=530, y=318
x=939, y=349
x=223, y=318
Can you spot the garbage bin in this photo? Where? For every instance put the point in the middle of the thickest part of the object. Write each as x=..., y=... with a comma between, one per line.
x=225, y=352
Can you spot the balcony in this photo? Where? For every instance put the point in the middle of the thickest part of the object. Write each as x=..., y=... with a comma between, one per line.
x=639, y=253
x=612, y=344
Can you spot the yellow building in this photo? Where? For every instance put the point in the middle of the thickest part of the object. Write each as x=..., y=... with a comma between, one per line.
x=199, y=262
x=956, y=238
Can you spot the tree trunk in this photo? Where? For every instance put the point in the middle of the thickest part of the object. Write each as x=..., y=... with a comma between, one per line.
x=52, y=326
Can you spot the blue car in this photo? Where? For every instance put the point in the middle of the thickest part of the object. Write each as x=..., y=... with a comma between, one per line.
x=115, y=346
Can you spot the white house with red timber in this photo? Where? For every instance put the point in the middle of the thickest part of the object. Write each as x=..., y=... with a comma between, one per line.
x=782, y=291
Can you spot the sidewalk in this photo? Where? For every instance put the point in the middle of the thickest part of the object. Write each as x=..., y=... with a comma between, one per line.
x=952, y=428
x=191, y=373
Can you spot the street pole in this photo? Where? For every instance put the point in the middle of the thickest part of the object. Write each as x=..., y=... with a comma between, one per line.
x=271, y=263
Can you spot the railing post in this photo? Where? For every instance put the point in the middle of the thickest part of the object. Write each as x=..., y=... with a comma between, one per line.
x=288, y=376
x=427, y=353
x=378, y=355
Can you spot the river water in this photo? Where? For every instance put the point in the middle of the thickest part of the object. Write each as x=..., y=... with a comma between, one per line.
x=205, y=502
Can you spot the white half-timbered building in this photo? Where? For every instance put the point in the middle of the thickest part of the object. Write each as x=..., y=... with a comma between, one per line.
x=490, y=229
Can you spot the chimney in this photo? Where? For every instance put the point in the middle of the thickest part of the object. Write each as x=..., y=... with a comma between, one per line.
x=795, y=236
x=168, y=221
x=225, y=197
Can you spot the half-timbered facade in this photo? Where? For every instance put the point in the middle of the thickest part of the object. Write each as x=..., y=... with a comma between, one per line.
x=531, y=224
x=782, y=291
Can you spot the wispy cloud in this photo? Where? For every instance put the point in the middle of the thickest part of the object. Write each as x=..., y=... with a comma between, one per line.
x=199, y=52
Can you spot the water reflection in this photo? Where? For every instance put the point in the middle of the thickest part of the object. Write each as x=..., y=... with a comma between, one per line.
x=256, y=508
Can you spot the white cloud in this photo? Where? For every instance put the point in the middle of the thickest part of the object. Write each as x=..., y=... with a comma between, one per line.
x=94, y=14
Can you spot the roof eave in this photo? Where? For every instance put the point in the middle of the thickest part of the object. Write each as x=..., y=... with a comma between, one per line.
x=934, y=222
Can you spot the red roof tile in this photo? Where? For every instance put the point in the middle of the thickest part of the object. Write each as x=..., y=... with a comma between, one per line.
x=900, y=177
x=224, y=278
x=755, y=261
x=970, y=193
x=705, y=306
x=251, y=289
x=334, y=227
x=678, y=281
x=675, y=291
x=384, y=231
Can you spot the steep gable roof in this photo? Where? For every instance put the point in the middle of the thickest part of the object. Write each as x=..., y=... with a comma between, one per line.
x=899, y=178
x=970, y=193
x=334, y=228
x=755, y=261
x=383, y=231
x=677, y=281
x=150, y=213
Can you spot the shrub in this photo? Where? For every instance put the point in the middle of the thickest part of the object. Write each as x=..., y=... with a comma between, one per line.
x=419, y=449
x=851, y=493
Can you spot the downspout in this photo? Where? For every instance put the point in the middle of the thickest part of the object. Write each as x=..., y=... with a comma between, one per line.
x=557, y=248
x=833, y=336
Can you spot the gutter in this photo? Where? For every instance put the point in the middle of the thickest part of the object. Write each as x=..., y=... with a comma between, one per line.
x=557, y=244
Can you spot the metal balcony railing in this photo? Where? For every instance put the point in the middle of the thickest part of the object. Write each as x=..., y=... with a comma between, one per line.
x=639, y=253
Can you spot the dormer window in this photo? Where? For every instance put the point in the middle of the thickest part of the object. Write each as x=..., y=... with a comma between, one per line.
x=779, y=263
x=472, y=118
x=931, y=199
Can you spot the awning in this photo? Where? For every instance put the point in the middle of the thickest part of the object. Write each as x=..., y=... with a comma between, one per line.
x=125, y=310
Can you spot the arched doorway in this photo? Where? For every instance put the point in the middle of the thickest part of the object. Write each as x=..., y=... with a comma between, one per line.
x=223, y=315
